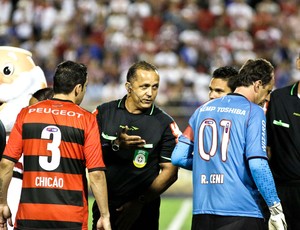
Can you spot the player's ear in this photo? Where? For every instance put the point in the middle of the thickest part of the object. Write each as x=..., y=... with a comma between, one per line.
x=298, y=63
x=77, y=89
x=257, y=84
x=128, y=86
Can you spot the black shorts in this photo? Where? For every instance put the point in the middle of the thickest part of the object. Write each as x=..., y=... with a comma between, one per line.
x=289, y=194
x=148, y=220
x=215, y=222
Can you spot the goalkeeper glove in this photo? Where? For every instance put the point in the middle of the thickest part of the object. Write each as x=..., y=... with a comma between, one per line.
x=277, y=219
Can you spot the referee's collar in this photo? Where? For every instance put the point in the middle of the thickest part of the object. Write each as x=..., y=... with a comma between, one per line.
x=294, y=89
x=121, y=105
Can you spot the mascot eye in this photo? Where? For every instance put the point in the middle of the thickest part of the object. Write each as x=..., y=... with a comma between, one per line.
x=8, y=69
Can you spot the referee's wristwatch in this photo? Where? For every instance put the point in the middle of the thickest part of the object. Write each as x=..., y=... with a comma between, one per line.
x=115, y=146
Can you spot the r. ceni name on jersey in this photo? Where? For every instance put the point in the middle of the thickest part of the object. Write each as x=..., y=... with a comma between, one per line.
x=56, y=112
x=223, y=110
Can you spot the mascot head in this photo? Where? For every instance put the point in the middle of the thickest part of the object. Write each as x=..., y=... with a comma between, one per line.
x=19, y=79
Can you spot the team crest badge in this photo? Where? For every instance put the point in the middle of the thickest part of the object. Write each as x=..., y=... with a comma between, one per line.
x=140, y=158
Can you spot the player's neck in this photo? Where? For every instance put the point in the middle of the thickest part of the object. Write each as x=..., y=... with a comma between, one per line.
x=247, y=92
x=64, y=97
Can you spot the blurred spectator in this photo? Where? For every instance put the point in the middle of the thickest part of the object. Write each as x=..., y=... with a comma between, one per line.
x=206, y=18
x=268, y=7
x=152, y=24
x=111, y=35
x=241, y=14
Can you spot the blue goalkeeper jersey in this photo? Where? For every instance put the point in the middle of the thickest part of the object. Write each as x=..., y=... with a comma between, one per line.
x=227, y=133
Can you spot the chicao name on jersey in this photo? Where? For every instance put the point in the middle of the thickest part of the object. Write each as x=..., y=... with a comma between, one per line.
x=223, y=110
x=56, y=112
x=55, y=182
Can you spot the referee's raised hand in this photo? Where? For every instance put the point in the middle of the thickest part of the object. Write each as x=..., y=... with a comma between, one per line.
x=129, y=141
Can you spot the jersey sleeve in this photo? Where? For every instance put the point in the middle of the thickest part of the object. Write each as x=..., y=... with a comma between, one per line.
x=182, y=155
x=95, y=112
x=264, y=180
x=92, y=147
x=169, y=140
x=256, y=136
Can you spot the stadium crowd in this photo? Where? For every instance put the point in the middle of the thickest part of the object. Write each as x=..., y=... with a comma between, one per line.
x=185, y=39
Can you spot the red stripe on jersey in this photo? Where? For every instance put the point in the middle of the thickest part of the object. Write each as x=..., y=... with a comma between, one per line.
x=53, y=212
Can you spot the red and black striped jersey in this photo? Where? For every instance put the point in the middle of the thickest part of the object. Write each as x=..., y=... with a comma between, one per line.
x=59, y=141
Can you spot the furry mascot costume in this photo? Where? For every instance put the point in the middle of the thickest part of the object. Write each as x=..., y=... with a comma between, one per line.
x=19, y=79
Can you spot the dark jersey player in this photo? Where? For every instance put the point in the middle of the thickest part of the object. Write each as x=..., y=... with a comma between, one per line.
x=283, y=128
x=137, y=141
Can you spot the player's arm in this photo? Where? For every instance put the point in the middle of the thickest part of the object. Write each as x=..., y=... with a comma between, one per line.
x=168, y=172
x=264, y=181
x=182, y=155
x=166, y=177
x=6, y=171
x=99, y=189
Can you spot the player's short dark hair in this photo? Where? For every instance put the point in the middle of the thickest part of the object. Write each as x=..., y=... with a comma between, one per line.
x=254, y=70
x=131, y=74
x=224, y=73
x=43, y=94
x=68, y=74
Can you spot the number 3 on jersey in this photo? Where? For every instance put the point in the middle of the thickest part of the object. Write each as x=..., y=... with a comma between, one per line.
x=209, y=123
x=53, y=147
